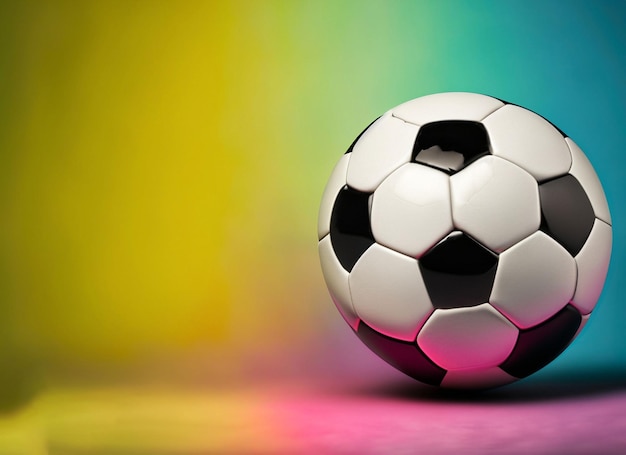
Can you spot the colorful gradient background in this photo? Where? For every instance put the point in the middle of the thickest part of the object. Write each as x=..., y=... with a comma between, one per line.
x=161, y=165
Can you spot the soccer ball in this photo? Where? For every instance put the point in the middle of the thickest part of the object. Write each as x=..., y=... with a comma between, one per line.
x=464, y=239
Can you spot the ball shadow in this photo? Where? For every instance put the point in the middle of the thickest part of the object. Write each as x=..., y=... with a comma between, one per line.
x=547, y=386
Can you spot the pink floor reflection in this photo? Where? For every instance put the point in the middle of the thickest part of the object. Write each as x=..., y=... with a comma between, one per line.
x=558, y=414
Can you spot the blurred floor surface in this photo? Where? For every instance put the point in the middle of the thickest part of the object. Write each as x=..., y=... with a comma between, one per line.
x=550, y=415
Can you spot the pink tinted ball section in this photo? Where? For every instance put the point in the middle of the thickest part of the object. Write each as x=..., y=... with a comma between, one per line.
x=347, y=401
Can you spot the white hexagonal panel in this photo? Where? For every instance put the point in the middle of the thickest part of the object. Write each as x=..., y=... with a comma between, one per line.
x=528, y=140
x=586, y=175
x=470, y=337
x=411, y=209
x=335, y=183
x=496, y=202
x=447, y=106
x=593, y=264
x=534, y=280
x=384, y=147
x=336, y=279
x=476, y=378
x=388, y=293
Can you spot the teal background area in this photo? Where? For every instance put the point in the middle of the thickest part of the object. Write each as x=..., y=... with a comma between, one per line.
x=563, y=60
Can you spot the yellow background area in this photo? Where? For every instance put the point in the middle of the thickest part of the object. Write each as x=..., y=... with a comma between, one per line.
x=157, y=184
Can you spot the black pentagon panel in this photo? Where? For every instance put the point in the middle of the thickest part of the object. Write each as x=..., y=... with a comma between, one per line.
x=539, y=345
x=566, y=212
x=555, y=127
x=450, y=145
x=458, y=272
x=350, y=230
x=359, y=137
x=406, y=357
